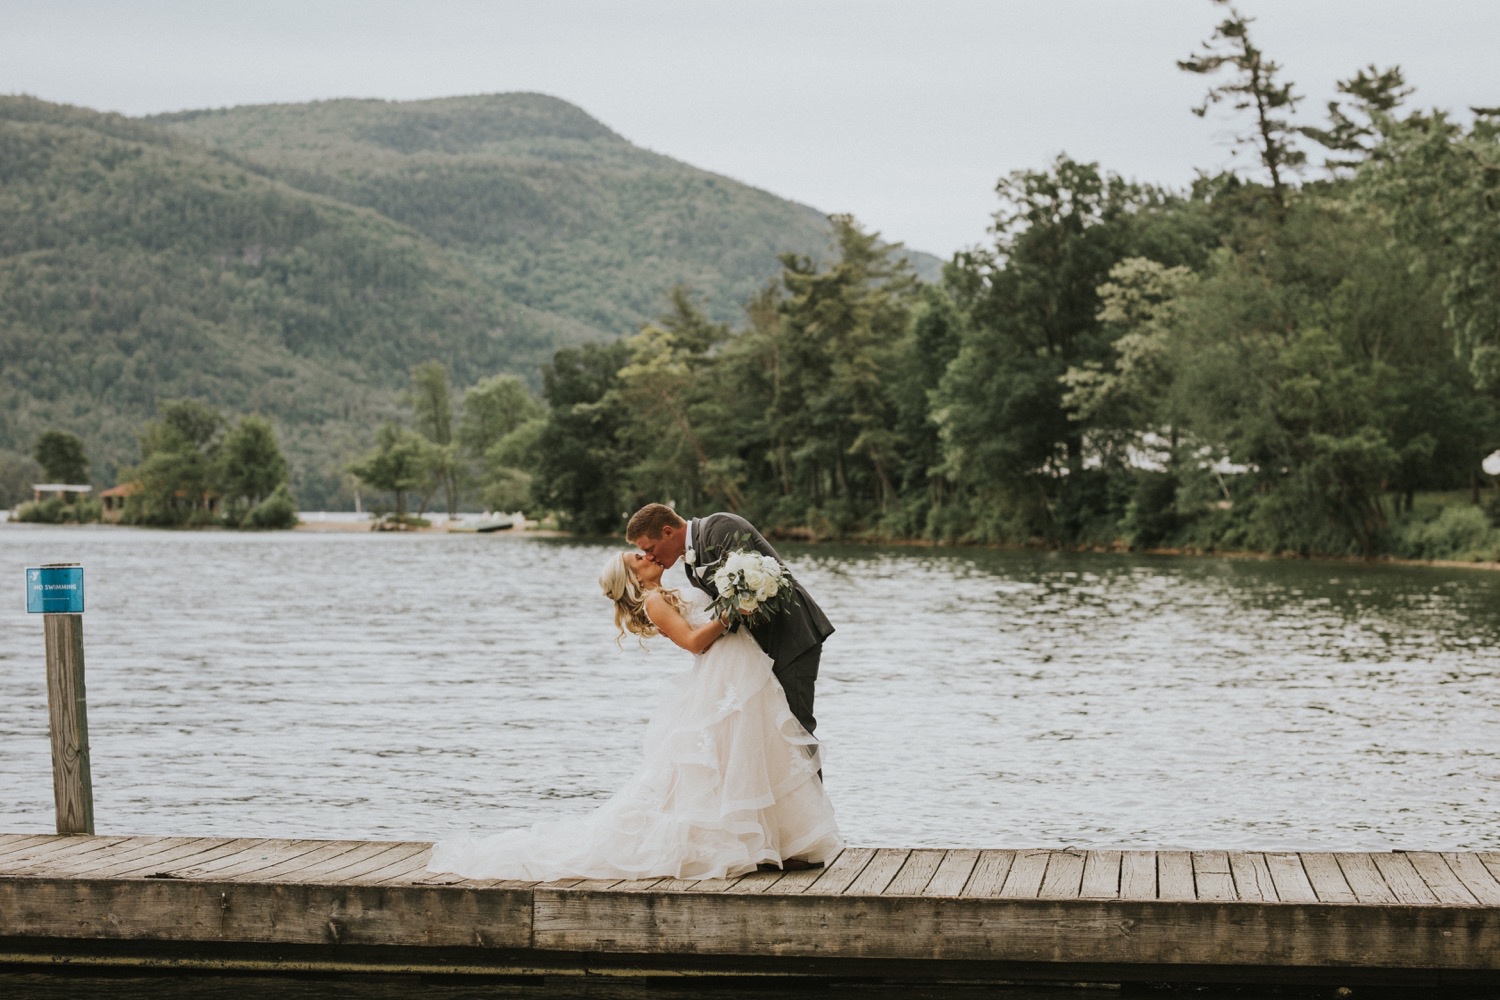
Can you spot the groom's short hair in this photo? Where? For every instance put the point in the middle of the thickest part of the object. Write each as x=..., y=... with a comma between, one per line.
x=649, y=520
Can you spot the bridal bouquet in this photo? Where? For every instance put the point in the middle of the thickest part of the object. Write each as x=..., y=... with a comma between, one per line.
x=752, y=587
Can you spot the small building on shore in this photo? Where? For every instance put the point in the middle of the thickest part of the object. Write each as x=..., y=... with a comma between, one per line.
x=114, y=500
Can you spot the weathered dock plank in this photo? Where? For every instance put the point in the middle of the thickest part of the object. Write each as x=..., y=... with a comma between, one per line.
x=711, y=884
x=1327, y=878
x=1138, y=875
x=965, y=913
x=833, y=879
x=1064, y=875
x=270, y=857
x=1289, y=878
x=756, y=882
x=1402, y=879
x=407, y=858
x=146, y=856
x=364, y=857
x=1365, y=880
x=403, y=873
x=275, y=861
x=16, y=843
x=666, y=885
x=1174, y=875
x=916, y=873
x=80, y=854
x=990, y=872
x=879, y=872
x=1444, y=883
x=952, y=873
x=57, y=848
x=840, y=874
x=1212, y=877
x=1252, y=876
x=1026, y=874
x=1475, y=876
x=207, y=863
x=1101, y=875
x=638, y=885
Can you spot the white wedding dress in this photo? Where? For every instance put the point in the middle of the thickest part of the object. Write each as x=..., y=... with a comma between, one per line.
x=729, y=781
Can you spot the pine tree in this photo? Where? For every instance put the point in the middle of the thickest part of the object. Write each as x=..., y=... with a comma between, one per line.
x=1252, y=86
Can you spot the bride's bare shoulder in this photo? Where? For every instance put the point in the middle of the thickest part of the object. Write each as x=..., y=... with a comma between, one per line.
x=657, y=605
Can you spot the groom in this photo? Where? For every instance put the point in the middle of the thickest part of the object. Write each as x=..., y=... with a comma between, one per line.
x=792, y=639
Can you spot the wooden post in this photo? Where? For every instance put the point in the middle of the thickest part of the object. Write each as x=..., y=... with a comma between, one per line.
x=68, y=721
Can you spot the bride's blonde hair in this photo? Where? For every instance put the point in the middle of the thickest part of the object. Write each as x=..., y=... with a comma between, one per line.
x=621, y=586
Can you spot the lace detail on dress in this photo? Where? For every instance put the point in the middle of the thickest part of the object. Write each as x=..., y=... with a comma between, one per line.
x=731, y=701
x=801, y=760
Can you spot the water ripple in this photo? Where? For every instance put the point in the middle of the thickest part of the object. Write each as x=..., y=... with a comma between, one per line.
x=305, y=684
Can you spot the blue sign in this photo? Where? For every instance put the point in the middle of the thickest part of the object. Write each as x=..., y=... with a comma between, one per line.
x=54, y=590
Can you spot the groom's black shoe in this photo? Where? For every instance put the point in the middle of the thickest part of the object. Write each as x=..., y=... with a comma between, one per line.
x=789, y=865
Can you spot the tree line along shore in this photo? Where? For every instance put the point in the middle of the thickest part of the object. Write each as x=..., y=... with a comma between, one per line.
x=1300, y=358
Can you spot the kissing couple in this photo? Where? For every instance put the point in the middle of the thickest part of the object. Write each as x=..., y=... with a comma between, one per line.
x=731, y=776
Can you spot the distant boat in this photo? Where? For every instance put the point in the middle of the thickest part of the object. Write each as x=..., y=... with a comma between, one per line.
x=484, y=525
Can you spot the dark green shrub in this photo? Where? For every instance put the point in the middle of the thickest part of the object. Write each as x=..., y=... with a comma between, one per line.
x=1151, y=515
x=278, y=510
x=1491, y=507
x=1459, y=531
x=55, y=510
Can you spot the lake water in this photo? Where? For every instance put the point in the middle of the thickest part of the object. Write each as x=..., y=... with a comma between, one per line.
x=360, y=685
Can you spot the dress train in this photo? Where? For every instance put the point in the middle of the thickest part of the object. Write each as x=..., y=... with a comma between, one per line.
x=729, y=780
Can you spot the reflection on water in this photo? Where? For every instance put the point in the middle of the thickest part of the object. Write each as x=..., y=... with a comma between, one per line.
x=364, y=685
x=78, y=985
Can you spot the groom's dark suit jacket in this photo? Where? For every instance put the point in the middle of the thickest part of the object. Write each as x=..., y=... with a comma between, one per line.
x=786, y=636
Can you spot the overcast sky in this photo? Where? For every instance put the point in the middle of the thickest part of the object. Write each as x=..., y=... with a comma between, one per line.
x=904, y=114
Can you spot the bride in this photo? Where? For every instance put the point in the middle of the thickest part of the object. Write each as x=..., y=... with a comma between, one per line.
x=729, y=782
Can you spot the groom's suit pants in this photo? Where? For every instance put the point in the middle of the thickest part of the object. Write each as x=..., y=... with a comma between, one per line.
x=797, y=679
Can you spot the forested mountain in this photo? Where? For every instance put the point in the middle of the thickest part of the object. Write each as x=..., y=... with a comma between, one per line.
x=299, y=260
x=136, y=266
x=557, y=211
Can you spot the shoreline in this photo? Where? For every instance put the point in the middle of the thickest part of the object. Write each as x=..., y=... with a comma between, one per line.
x=436, y=528
x=1095, y=549
x=1126, y=551
x=1361, y=560
x=342, y=526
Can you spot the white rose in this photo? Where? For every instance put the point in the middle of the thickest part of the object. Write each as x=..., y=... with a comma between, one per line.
x=738, y=562
x=749, y=604
x=756, y=578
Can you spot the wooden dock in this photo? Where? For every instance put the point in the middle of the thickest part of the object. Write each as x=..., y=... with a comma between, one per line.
x=1102, y=916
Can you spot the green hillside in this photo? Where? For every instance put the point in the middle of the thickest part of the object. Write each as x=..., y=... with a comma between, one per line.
x=298, y=260
x=136, y=265
x=560, y=213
